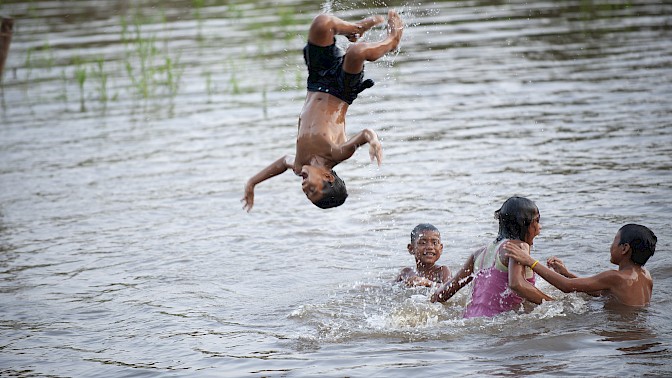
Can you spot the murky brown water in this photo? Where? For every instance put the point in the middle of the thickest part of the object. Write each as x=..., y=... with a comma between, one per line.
x=128, y=131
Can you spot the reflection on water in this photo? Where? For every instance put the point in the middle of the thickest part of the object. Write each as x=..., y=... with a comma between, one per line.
x=127, y=131
x=629, y=327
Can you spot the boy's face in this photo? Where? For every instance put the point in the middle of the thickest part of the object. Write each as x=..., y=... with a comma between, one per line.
x=312, y=182
x=427, y=247
x=617, y=250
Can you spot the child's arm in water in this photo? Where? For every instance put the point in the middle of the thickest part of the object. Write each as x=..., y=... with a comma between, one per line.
x=523, y=287
x=592, y=285
x=346, y=150
x=277, y=167
x=461, y=279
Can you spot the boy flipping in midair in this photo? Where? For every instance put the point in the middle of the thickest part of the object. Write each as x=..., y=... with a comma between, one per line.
x=630, y=285
x=426, y=247
x=334, y=81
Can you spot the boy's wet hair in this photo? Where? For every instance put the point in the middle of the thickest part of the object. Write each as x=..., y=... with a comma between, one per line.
x=515, y=217
x=417, y=231
x=333, y=193
x=642, y=242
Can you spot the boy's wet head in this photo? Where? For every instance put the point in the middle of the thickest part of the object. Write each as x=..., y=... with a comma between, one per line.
x=334, y=193
x=642, y=242
x=418, y=230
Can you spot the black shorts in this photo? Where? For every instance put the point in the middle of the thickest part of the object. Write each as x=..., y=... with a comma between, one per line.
x=325, y=73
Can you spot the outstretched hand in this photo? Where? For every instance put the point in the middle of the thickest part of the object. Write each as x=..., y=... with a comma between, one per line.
x=375, y=148
x=248, y=199
x=557, y=265
x=519, y=251
x=419, y=281
x=376, y=152
x=353, y=37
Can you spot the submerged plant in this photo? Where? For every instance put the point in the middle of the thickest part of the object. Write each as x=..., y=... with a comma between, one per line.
x=233, y=80
x=47, y=59
x=148, y=67
x=80, y=77
x=209, y=87
x=173, y=73
x=101, y=75
x=28, y=64
x=234, y=12
x=145, y=51
x=198, y=5
x=286, y=21
x=64, y=89
x=124, y=31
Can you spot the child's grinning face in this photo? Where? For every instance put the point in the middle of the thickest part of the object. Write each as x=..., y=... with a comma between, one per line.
x=427, y=248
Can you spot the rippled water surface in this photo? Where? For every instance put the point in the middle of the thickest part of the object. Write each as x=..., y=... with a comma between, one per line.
x=128, y=130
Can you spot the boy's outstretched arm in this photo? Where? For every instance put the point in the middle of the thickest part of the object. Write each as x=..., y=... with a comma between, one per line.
x=277, y=167
x=347, y=149
x=559, y=266
x=591, y=285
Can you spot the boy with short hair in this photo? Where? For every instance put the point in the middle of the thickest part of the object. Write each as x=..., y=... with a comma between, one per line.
x=426, y=247
x=631, y=284
x=334, y=81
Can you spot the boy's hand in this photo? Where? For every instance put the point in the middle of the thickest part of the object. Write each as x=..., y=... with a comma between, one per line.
x=353, y=37
x=248, y=199
x=419, y=281
x=363, y=26
x=557, y=265
x=519, y=251
x=375, y=147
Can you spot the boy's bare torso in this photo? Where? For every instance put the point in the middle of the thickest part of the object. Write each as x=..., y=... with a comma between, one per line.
x=321, y=128
x=634, y=288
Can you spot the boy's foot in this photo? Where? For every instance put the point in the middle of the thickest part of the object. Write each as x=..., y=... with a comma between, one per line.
x=395, y=28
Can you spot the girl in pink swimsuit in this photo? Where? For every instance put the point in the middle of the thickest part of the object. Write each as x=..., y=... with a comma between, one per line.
x=500, y=284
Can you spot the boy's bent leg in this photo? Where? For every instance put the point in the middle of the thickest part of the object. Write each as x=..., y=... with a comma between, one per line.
x=359, y=53
x=324, y=27
x=321, y=32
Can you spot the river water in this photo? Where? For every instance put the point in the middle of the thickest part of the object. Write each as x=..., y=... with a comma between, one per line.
x=128, y=130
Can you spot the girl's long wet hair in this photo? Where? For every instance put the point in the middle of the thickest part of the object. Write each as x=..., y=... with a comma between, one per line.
x=515, y=217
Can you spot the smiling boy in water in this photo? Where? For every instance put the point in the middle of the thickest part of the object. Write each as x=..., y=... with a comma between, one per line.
x=426, y=247
x=334, y=81
x=630, y=285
